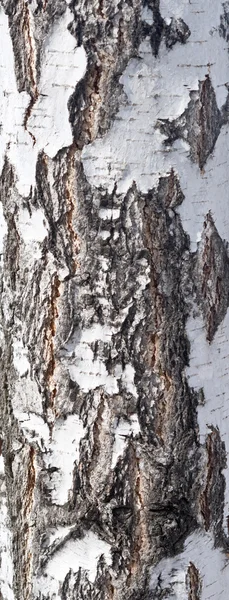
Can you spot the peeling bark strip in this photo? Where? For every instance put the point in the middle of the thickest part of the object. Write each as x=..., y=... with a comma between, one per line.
x=114, y=322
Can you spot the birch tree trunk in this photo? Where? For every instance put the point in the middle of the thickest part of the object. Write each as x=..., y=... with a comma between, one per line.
x=114, y=230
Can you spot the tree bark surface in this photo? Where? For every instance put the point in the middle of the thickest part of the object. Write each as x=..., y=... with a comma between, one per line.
x=114, y=323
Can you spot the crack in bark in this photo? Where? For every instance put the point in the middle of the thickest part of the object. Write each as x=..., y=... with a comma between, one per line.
x=200, y=124
x=211, y=277
x=195, y=583
x=177, y=31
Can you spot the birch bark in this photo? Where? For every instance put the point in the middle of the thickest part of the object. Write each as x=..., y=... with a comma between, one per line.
x=114, y=260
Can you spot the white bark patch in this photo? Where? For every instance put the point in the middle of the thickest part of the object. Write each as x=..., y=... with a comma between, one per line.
x=97, y=332
x=159, y=89
x=83, y=553
x=63, y=66
x=143, y=278
x=126, y=377
x=32, y=228
x=26, y=397
x=209, y=369
x=34, y=427
x=109, y=214
x=90, y=372
x=84, y=369
x=57, y=535
x=147, y=15
x=210, y=561
x=20, y=357
x=63, y=453
x=128, y=380
x=60, y=453
x=123, y=431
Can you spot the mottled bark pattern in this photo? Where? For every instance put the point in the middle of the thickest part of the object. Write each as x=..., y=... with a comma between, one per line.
x=112, y=472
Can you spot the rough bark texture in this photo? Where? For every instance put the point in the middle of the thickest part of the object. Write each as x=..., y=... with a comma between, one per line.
x=114, y=230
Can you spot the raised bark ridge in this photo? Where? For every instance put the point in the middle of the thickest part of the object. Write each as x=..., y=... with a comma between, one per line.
x=114, y=296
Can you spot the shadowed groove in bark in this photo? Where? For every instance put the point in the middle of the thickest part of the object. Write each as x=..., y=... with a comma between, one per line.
x=194, y=582
x=176, y=31
x=215, y=481
x=200, y=124
x=211, y=277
